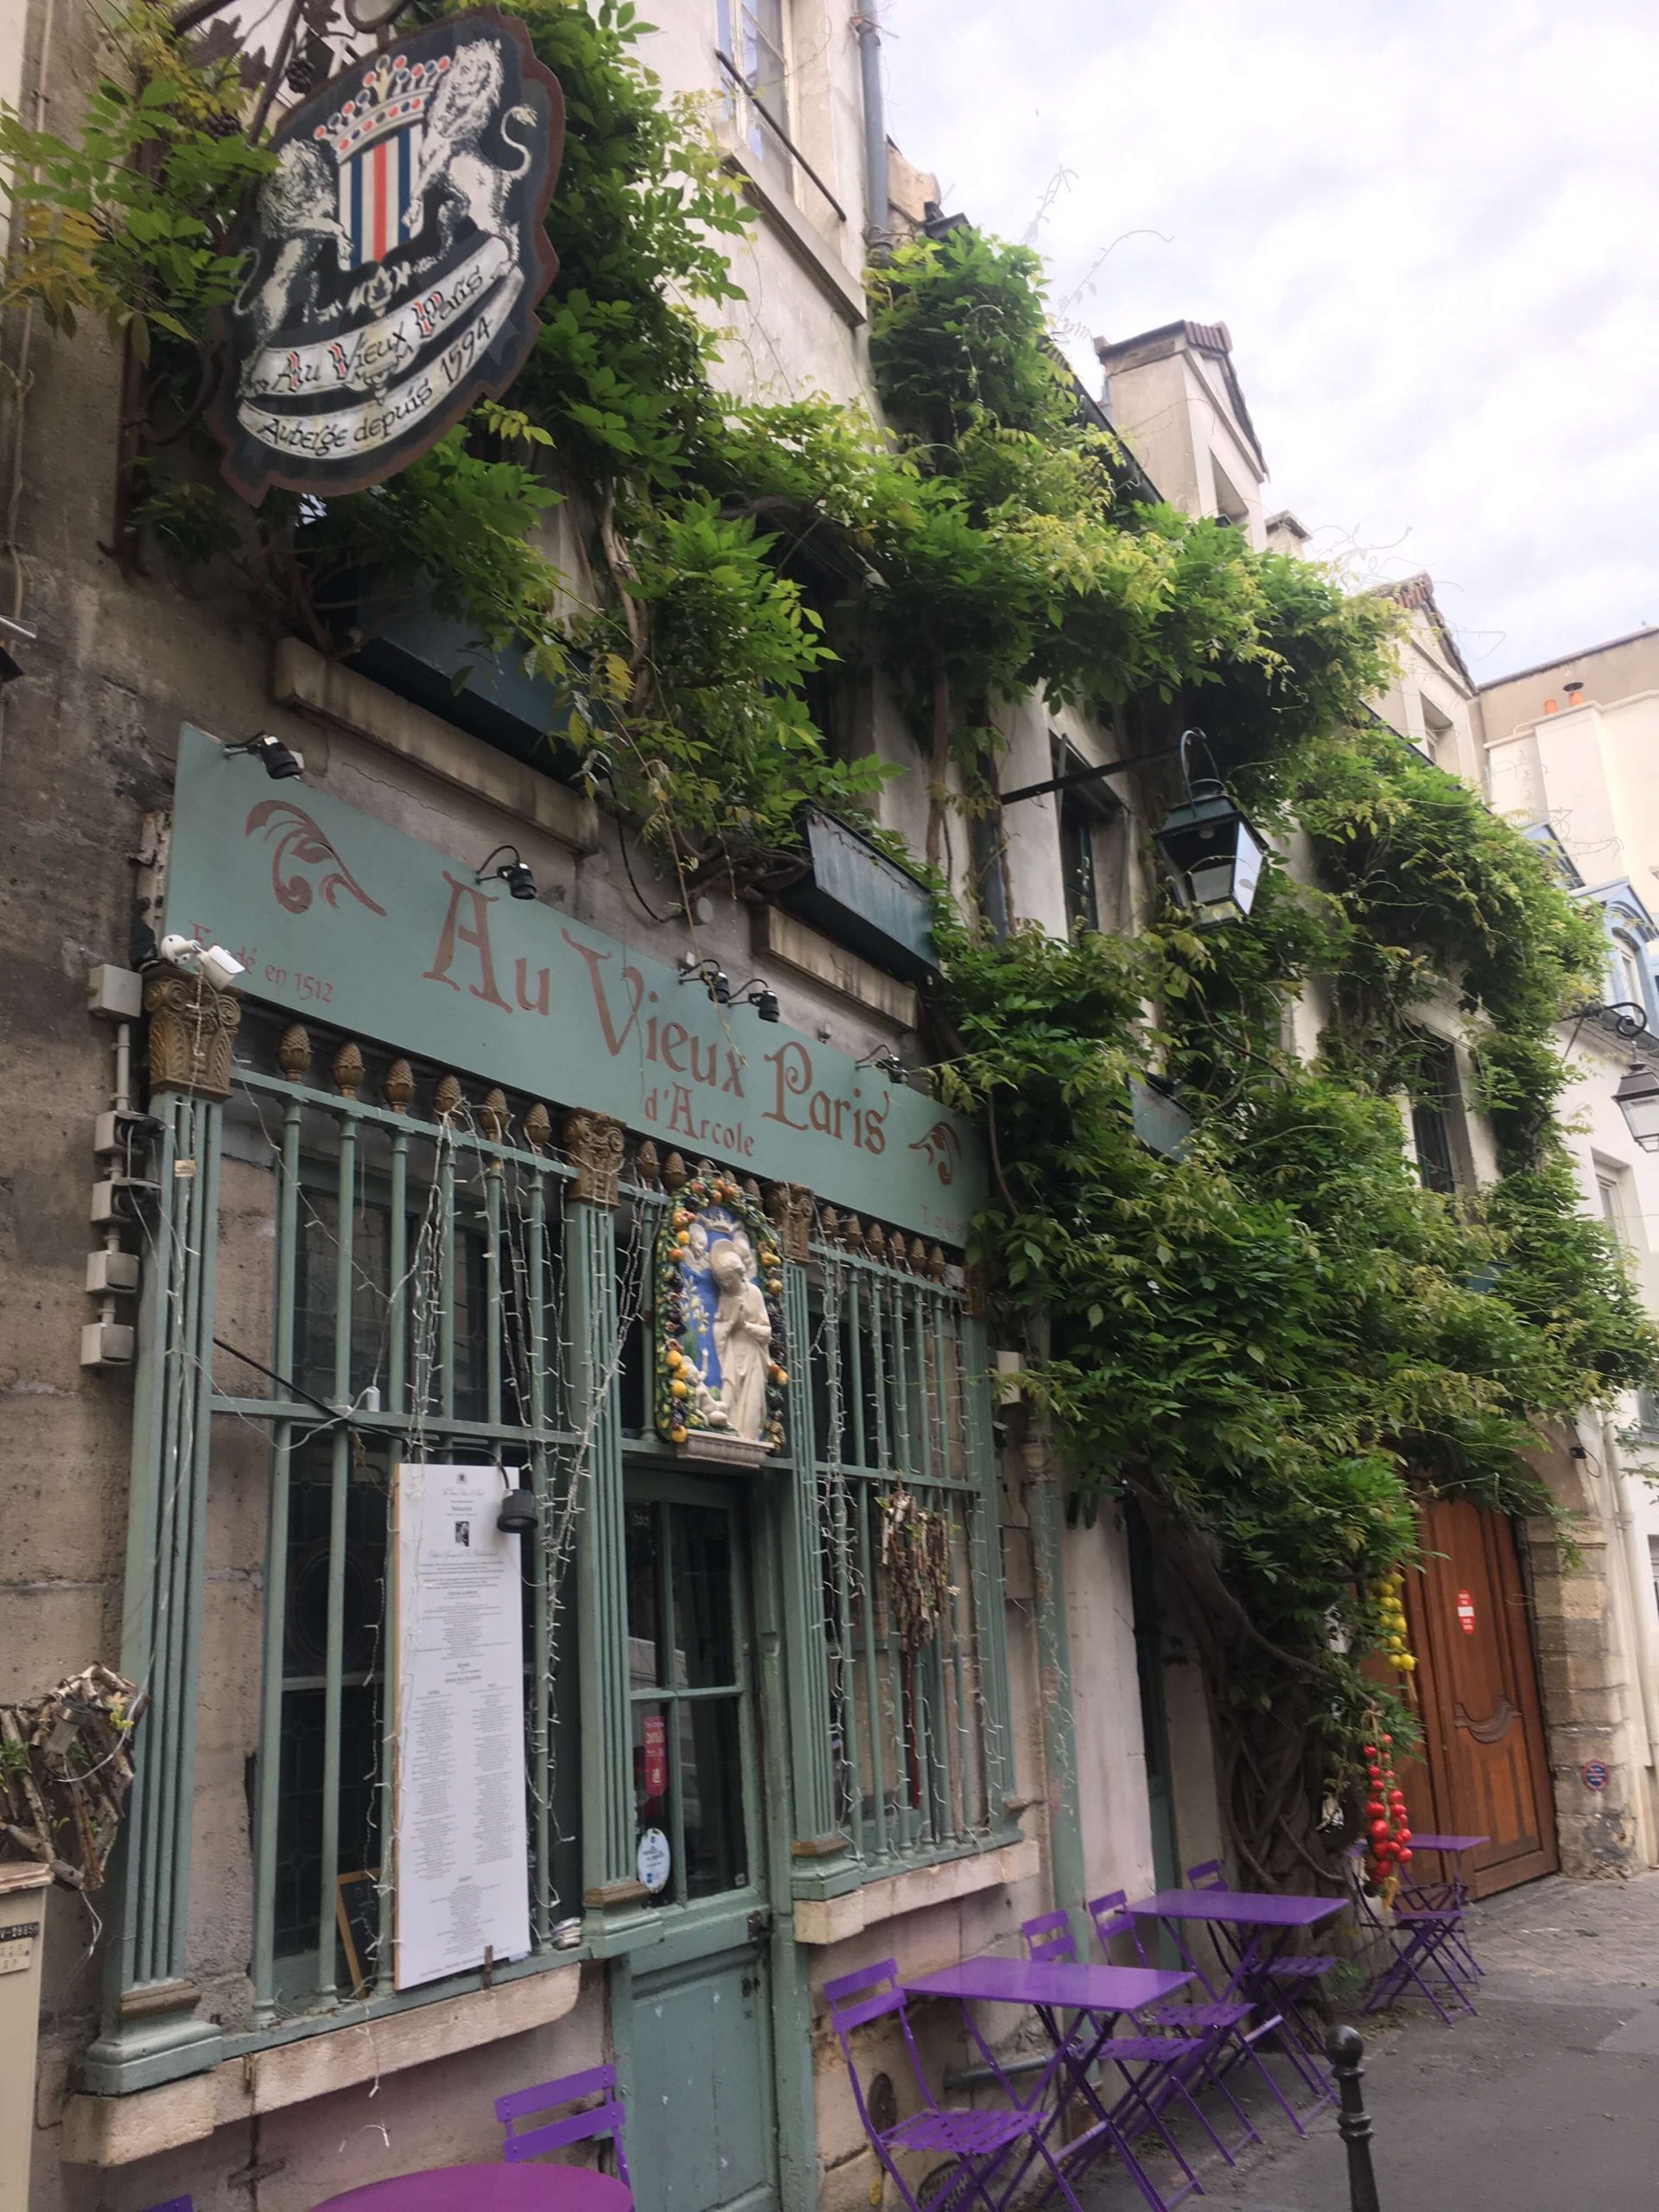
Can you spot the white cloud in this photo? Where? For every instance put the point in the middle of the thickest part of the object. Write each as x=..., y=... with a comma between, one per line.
x=1430, y=226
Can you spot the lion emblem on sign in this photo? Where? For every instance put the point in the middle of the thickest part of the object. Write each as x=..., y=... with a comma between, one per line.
x=393, y=259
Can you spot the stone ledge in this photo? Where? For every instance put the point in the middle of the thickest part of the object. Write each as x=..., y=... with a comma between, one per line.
x=303, y=679
x=844, y=293
x=831, y=1920
x=114, y=2131
x=778, y=937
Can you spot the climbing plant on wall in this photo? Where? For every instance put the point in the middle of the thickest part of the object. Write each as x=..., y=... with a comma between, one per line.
x=1272, y=1341
x=1266, y=1341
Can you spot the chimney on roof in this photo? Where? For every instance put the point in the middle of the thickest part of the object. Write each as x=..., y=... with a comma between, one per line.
x=1574, y=696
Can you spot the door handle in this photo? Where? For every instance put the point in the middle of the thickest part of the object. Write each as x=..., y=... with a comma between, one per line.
x=760, y=1924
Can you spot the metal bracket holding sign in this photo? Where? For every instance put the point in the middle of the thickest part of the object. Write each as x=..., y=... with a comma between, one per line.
x=393, y=259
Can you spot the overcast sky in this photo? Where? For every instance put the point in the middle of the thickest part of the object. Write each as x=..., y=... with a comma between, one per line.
x=1431, y=226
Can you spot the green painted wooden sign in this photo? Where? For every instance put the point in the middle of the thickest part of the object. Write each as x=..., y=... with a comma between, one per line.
x=335, y=915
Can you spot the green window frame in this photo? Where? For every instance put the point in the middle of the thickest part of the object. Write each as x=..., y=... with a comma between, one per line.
x=920, y=1753
x=444, y=1285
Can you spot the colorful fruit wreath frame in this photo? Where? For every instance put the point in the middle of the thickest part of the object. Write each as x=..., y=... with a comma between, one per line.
x=677, y=1414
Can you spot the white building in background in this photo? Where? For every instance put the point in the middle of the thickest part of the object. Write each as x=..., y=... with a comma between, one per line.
x=1571, y=747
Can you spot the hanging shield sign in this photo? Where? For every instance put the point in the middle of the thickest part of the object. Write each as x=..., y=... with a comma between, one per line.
x=392, y=260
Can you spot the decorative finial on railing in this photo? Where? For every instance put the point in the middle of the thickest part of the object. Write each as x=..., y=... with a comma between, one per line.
x=348, y=1070
x=293, y=1051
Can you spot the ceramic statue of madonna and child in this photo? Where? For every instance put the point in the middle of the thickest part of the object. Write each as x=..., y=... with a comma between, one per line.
x=719, y=1290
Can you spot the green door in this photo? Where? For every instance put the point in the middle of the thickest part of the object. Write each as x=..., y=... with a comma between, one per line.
x=701, y=2131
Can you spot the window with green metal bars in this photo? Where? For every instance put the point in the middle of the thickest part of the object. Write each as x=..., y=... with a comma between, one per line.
x=901, y=1427
x=412, y=1311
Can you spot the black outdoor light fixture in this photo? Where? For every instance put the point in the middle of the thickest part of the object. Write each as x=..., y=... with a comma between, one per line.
x=1637, y=1100
x=888, y=1061
x=279, y=761
x=514, y=873
x=520, y=1514
x=1213, y=856
x=718, y=984
x=709, y=974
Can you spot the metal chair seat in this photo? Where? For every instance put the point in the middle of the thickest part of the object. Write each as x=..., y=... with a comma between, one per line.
x=1298, y=1970
x=968, y=2134
x=1195, y=2016
x=1156, y=2051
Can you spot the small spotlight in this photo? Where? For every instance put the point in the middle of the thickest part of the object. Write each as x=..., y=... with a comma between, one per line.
x=888, y=1061
x=714, y=978
x=514, y=873
x=764, y=1003
x=211, y=961
x=518, y=1515
x=279, y=761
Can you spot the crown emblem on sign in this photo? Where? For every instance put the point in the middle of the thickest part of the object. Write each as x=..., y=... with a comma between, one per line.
x=395, y=94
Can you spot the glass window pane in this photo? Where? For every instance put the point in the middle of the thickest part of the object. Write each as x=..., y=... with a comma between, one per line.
x=711, y=1784
x=651, y=1774
x=645, y=1613
x=703, y=1656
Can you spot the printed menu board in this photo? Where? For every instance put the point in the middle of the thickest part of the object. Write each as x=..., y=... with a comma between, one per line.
x=461, y=1866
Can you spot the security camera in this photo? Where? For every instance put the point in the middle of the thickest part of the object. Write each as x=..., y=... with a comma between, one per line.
x=211, y=961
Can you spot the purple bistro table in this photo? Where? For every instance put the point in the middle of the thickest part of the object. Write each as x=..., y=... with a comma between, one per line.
x=488, y=2189
x=1098, y=1994
x=1451, y=1892
x=1250, y=1929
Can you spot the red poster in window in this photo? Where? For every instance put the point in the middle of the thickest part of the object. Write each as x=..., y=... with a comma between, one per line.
x=653, y=1777
x=1465, y=1612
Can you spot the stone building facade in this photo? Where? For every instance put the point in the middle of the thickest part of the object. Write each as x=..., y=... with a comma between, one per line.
x=397, y=1192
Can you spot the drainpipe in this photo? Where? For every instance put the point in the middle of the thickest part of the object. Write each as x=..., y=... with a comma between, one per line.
x=1636, y=1576
x=1065, y=1860
x=878, y=239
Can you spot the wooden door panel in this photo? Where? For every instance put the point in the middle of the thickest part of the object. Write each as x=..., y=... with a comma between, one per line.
x=1486, y=1769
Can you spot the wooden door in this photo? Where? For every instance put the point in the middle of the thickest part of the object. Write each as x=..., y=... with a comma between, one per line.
x=1485, y=1772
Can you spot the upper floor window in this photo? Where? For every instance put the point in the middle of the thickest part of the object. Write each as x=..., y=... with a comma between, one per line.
x=1091, y=857
x=1078, y=864
x=1436, y=1103
x=1616, y=1195
x=752, y=41
x=1631, y=986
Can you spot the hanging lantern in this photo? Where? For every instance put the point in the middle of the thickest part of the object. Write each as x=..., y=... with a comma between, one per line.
x=1213, y=856
x=1638, y=1099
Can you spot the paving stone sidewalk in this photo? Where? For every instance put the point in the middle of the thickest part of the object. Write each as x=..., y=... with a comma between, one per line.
x=1546, y=2101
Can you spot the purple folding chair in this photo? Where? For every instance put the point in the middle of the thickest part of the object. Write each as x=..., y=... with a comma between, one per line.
x=603, y=2119
x=1415, y=1937
x=1217, y=2024
x=1289, y=1978
x=173, y=2204
x=976, y=2143
x=1165, y=2060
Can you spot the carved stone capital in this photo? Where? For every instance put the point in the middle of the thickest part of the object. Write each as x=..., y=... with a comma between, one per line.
x=191, y=1028
x=789, y=1205
x=595, y=1144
